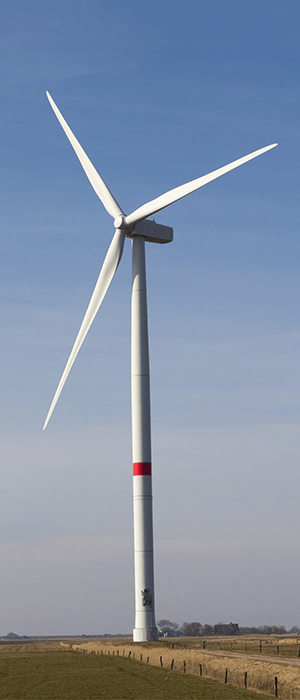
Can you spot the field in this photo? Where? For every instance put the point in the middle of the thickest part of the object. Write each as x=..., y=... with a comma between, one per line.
x=47, y=671
x=262, y=672
x=288, y=647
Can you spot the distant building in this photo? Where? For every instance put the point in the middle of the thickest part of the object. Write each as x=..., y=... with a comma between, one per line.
x=222, y=630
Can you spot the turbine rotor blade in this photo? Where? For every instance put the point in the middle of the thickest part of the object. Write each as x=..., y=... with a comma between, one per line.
x=111, y=262
x=96, y=181
x=179, y=192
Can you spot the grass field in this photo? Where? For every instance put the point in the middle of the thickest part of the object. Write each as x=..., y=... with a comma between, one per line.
x=263, y=673
x=250, y=645
x=65, y=675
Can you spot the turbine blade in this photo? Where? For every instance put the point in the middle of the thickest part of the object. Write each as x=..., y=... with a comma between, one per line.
x=173, y=195
x=108, y=270
x=96, y=181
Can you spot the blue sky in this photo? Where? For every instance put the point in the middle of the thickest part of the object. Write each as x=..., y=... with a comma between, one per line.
x=157, y=94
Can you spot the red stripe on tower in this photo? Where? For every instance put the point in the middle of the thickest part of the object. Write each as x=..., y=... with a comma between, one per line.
x=141, y=468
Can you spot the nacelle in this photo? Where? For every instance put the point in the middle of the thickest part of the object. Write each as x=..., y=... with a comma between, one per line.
x=152, y=232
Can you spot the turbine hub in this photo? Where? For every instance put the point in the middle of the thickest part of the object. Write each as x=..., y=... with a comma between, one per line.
x=119, y=222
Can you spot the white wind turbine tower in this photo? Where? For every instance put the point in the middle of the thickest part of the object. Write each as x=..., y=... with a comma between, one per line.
x=139, y=229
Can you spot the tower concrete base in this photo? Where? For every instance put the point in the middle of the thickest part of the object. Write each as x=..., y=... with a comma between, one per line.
x=145, y=634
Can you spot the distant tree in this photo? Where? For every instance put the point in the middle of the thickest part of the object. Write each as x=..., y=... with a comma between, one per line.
x=167, y=628
x=279, y=630
x=272, y=629
x=268, y=629
x=207, y=630
x=192, y=629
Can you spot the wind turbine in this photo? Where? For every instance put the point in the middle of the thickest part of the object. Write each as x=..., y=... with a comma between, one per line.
x=137, y=227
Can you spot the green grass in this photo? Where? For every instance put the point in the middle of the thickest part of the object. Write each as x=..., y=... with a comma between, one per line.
x=63, y=675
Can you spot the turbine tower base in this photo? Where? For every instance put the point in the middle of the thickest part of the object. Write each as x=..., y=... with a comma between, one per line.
x=145, y=634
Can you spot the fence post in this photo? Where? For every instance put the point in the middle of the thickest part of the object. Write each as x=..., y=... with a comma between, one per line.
x=276, y=687
x=200, y=669
x=160, y=658
x=184, y=667
x=129, y=654
x=147, y=659
x=117, y=652
x=277, y=649
x=172, y=664
x=245, y=679
x=204, y=644
x=260, y=647
x=226, y=673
